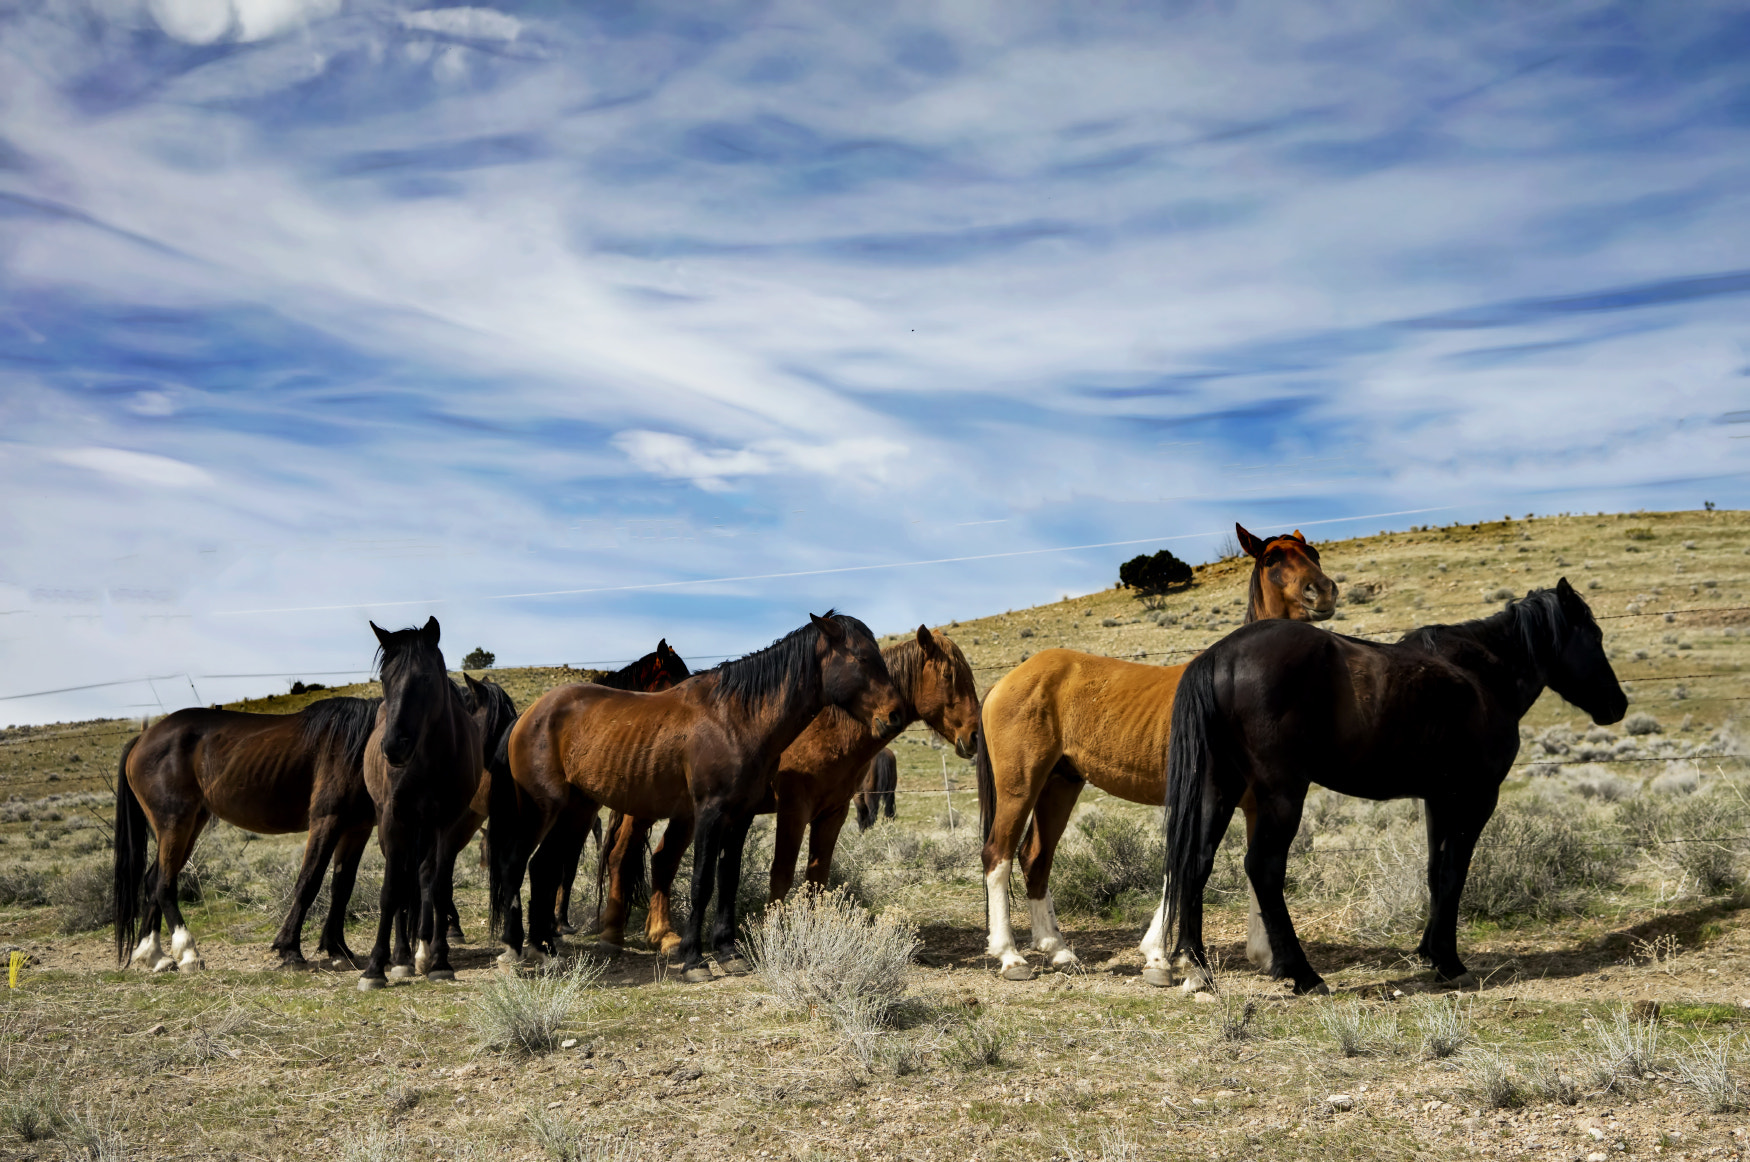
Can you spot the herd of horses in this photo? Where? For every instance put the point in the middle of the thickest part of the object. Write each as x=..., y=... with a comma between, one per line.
x=800, y=729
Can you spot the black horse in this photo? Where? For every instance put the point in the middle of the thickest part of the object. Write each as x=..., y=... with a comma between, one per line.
x=1277, y=705
x=875, y=793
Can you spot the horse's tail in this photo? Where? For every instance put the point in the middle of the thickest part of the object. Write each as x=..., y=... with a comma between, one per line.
x=987, y=781
x=130, y=857
x=1190, y=761
x=502, y=888
x=886, y=779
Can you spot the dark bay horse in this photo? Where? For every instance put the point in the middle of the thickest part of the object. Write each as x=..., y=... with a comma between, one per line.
x=1063, y=718
x=702, y=754
x=876, y=789
x=1276, y=706
x=816, y=779
x=422, y=767
x=267, y=773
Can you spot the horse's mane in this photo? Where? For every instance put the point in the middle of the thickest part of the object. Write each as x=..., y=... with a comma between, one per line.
x=401, y=650
x=345, y=723
x=1537, y=623
x=905, y=663
x=786, y=668
x=501, y=710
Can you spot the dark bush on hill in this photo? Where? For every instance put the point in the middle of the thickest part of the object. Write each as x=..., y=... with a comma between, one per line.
x=479, y=659
x=1154, y=574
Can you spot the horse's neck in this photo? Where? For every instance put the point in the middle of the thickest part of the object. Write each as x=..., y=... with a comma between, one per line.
x=771, y=723
x=1498, y=658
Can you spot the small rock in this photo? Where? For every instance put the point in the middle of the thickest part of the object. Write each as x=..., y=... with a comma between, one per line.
x=1225, y=1093
x=689, y=1072
x=568, y=1043
x=553, y=1105
x=1397, y=994
x=1340, y=1101
x=1597, y=1156
x=462, y=1100
x=1203, y=998
x=157, y=1031
x=1199, y=1101
x=465, y=1070
x=1597, y=1134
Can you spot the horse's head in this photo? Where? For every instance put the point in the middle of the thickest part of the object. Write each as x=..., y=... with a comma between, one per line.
x=665, y=669
x=1286, y=579
x=415, y=686
x=1573, y=657
x=492, y=709
x=854, y=676
x=943, y=691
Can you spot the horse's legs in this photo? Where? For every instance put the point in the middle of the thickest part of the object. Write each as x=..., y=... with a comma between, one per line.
x=1019, y=775
x=150, y=950
x=1189, y=955
x=1453, y=828
x=823, y=840
x=1257, y=940
x=400, y=874
x=425, y=911
x=1278, y=818
x=665, y=861
x=709, y=826
x=627, y=848
x=441, y=893
x=175, y=842
x=347, y=852
x=401, y=959
x=318, y=850
x=792, y=821
x=728, y=893
x=572, y=851
x=1050, y=816
x=548, y=864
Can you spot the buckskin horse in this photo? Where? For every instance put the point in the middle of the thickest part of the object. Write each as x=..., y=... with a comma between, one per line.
x=702, y=754
x=423, y=768
x=817, y=777
x=267, y=773
x=877, y=788
x=1277, y=706
x=1063, y=718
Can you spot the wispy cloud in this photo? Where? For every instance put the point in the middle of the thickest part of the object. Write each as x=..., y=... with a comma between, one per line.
x=316, y=304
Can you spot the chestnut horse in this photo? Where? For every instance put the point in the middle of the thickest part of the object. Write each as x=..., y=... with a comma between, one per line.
x=877, y=788
x=1272, y=708
x=422, y=767
x=267, y=773
x=816, y=779
x=1062, y=718
x=702, y=753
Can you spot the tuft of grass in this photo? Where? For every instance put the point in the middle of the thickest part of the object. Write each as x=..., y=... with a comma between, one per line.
x=821, y=951
x=94, y=1136
x=1233, y=1018
x=1357, y=1031
x=565, y=1140
x=1546, y=1079
x=1629, y=1047
x=1444, y=1025
x=979, y=1044
x=514, y=1013
x=83, y=898
x=1112, y=1145
x=33, y=1115
x=1493, y=1081
x=372, y=1144
x=1706, y=1069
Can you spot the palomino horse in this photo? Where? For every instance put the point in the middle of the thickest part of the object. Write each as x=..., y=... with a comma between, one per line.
x=816, y=779
x=876, y=790
x=1276, y=706
x=702, y=754
x=267, y=773
x=422, y=766
x=1062, y=718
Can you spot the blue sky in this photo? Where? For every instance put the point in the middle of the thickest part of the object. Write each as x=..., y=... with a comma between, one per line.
x=313, y=311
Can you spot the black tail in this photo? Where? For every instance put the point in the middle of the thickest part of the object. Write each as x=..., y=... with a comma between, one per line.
x=987, y=781
x=502, y=888
x=130, y=857
x=1190, y=761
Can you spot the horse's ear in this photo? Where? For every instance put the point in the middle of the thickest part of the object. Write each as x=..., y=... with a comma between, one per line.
x=829, y=627
x=1252, y=545
x=1298, y=537
x=662, y=649
x=478, y=690
x=429, y=631
x=927, y=640
x=383, y=635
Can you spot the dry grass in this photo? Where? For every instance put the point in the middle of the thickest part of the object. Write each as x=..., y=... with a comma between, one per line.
x=518, y=1013
x=820, y=951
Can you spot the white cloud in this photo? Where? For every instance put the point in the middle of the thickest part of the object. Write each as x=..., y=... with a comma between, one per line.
x=209, y=21
x=680, y=458
x=134, y=467
x=465, y=22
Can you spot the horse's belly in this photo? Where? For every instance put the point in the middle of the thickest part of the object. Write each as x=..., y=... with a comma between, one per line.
x=1140, y=777
x=268, y=803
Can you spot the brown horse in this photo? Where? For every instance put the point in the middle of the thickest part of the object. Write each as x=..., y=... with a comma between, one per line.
x=1062, y=718
x=267, y=773
x=702, y=754
x=422, y=766
x=876, y=789
x=816, y=779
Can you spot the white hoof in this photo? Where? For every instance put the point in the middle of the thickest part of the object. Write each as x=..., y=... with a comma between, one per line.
x=190, y=962
x=421, y=958
x=399, y=972
x=368, y=984
x=1065, y=958
x=1019, y=970
x=164, y=964
x=1161, y=978
x=508, y=958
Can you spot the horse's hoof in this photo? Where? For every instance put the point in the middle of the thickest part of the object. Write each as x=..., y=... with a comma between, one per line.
x=1020, y=971
x=441, y=974
x=735, y=966
x=700, y=975
x=1314, y=988
x=164, y=964
x=1064, y=960
x=293, y=963
x=454, y=936
x=670, y=945
x=509, y=958
x=400, y=972
x=608, y=948
x=565, y=929
x=369, y=984
x=1161, y=978
x=1463, y=981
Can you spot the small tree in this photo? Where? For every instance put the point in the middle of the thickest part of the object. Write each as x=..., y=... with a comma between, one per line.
x=1154, y=574
x=479, y=659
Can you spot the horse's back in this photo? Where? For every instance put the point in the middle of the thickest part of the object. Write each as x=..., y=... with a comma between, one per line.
x=257, y=771
x=625, y=749
x=1108, y=717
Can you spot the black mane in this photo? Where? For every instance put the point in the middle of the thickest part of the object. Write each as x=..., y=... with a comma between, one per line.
x=345, y=723
x=501, y=712
x=404, y=647
x=1536, y=623
x=785, y=669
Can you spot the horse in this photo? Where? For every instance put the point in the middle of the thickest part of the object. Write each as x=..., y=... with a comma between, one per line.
x=494, y=714
x=267, y=773
x=1435, y=716
x=875, y=791
x=422, y=767
x=1063, y=718
x=702, y=753
x=817, y=777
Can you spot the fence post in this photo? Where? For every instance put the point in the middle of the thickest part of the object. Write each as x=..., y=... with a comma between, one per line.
x=946, y=793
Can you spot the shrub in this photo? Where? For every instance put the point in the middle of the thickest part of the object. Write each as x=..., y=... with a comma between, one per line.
x=1154, y=573
x=479, y=659
x=1493, y=1081
x=84, y=898
x=1444, y=1025
x=21, y=885
x=1707, y=1069
x=819, y=950
x=523, y=1014
x=34, y=1115
x=1533, y=860
x=1629, y=1046
x=1546, y=1079
x=1112, y=863
x=979, y=1044
x=1640, y=722
x=565, y=1140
